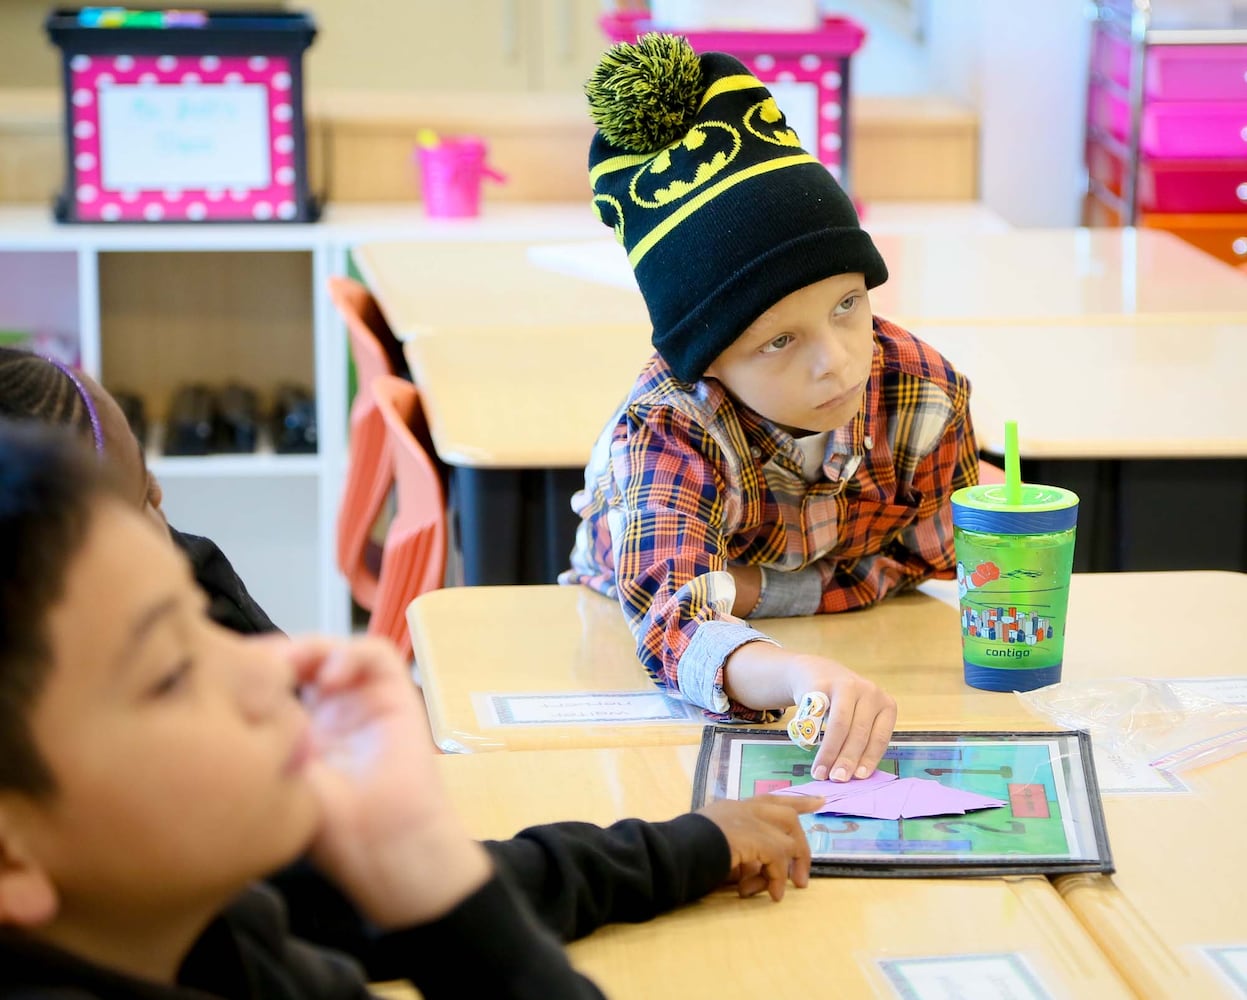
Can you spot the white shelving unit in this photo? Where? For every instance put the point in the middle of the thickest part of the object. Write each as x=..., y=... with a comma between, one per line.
x=273, y=515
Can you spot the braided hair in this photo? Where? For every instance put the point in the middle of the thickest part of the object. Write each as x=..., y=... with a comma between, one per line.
x=33, y=387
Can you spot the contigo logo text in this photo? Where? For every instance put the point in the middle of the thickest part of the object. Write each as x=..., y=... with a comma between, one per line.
x=1015, y=653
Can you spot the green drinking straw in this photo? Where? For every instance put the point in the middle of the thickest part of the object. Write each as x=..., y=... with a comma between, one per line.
x=1013, y=465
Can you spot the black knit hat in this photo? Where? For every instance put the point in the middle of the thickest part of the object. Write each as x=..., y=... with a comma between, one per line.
x=720, y=209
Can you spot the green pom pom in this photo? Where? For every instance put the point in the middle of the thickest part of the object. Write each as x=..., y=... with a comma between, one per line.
x=643, y=96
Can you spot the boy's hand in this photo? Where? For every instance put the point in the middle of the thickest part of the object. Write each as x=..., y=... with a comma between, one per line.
x=767, y=842
x=389, y=837
x=859, y=721
x=858, y=724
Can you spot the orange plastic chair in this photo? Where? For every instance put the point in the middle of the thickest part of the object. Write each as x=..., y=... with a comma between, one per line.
x=414, y=559
x=369, y=474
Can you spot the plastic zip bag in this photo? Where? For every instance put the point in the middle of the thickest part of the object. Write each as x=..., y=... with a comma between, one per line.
x=1167, y=724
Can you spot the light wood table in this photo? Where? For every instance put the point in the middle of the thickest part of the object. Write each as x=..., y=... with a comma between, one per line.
x=1034, y=277
x=530, y=364
x=422, y=286
x=1178, y=887
x=515, y=416
x=836, y=930
x=1038, y=276
x=474, y=642
x=1106, y=391
x=499, y=400
x=1106, y=410
x=1143, y=420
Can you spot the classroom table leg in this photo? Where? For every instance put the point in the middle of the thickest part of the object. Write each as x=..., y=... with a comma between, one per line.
x=1183, y=514
x=489, y=507
x=559, y=529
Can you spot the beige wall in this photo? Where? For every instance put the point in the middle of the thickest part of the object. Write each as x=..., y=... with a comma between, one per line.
x=361, y=144
x=27, y=56
x=507, y=69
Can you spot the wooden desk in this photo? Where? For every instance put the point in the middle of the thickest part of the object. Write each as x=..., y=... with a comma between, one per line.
x=555, y=640
x=1038, y=276
x=1034, y=277
x=1104, y=410
x=533, y=362
x=422, y=286
x=500, y=400
x=1178, y=887
x=837, y=928
x=1108, y=391
x=1143, y=420
x=516, y=417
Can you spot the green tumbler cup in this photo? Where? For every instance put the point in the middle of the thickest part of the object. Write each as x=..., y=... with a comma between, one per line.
x=1013, y=568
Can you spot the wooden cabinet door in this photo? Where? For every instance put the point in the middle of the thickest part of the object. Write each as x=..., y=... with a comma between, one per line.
x=570, y=43
x=421, y=45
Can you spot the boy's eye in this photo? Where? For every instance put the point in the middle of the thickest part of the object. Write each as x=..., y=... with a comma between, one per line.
x=847, y=304
x=778, y=344
x=173, y=680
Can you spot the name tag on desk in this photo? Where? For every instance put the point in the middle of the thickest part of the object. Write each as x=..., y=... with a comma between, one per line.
x=553, y=708
x=964, y=977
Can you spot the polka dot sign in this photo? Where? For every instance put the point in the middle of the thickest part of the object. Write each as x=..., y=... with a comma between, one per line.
x=164, y=138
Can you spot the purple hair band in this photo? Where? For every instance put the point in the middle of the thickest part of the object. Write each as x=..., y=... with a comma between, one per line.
x=96, y=431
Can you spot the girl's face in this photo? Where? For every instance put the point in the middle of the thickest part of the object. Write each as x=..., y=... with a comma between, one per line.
x=124, y=451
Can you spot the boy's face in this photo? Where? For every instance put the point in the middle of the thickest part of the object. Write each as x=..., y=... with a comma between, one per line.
x=804, y=363
x=178, y=748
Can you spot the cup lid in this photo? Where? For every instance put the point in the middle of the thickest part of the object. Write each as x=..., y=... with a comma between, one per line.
x=1036, y=499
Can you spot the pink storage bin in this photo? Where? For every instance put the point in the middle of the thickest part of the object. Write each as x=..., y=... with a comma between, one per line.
x=1172, y=130
x=815, y=63
x=1173, y=186
x=1177, y=72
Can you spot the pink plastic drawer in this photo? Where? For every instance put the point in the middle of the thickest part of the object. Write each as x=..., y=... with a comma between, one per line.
x=1174, y=130
x=1177, y=72
x=1174, y=186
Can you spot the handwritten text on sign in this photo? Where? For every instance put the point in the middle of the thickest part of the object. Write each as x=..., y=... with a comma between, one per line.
x=176, y=136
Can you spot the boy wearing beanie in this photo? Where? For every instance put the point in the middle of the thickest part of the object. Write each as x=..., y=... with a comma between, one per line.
x=784, y=452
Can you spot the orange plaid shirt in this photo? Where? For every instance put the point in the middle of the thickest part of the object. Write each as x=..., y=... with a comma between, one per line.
x=684, y=481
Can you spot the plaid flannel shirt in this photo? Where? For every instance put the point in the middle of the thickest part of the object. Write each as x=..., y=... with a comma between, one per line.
x=684, y=481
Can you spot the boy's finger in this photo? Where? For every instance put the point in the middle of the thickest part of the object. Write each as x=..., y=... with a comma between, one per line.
x=356, y=661
x=880, y=737
x=776, y=879
x=799, y=869
x=751, y=886
x=797, y=803
x=855, y=744
x=835, y=731
x=307, y=656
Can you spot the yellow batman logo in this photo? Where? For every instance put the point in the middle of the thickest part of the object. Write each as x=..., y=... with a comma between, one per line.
x=610, y=212
x=686, y=165
x=766, y=121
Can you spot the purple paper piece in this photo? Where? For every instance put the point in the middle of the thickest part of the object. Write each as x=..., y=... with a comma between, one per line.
x=908, y=798
x=889, y=802
x=928, y=798
x=831, y=790
x=854, y=805
x=969, y=801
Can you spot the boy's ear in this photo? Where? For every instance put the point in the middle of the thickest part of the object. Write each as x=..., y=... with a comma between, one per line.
x=27, y=896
